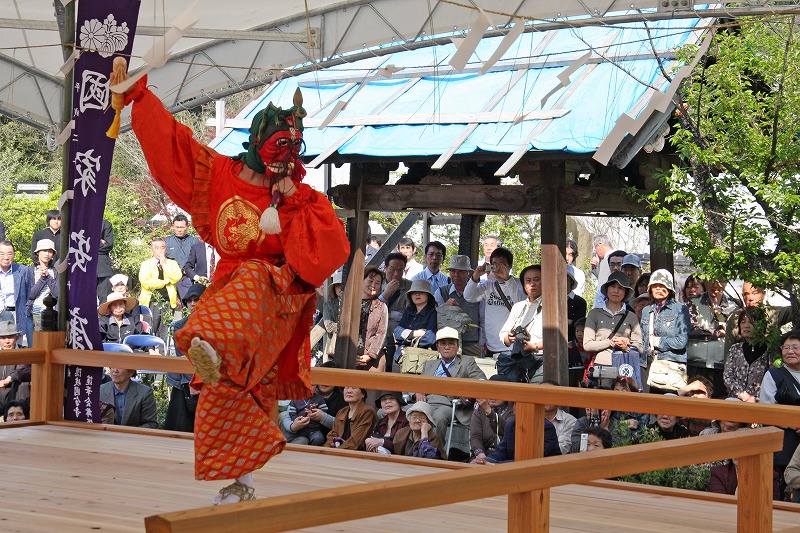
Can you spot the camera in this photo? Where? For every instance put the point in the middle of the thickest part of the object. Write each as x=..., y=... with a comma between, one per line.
x=521, y=336
x=491, y=268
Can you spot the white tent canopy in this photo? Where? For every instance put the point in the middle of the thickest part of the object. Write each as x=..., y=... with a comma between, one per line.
x=247, y=43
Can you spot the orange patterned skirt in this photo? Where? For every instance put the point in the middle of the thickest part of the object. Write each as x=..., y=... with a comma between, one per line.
x=257, y=319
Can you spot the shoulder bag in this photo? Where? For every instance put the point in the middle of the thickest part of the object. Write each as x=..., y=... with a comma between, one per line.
x=413, y=358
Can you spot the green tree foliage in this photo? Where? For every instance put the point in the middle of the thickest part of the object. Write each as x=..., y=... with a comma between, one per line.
x=519, y=233
x=24, y=156
x=23, y=214
x=736, y=197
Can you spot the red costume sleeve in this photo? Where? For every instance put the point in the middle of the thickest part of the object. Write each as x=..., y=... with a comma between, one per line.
x=169, y=147
x=312, y=236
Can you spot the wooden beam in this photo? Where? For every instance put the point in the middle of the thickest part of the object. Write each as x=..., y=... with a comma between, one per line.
x=554, y=281
x=487, y=199
x=393, y=239
x=350, y=314
x=754, y=510
x=64, y=356
x=47, y=380
x=778, y=415
x=363, y=500
x=660, y=253
x=529, y=511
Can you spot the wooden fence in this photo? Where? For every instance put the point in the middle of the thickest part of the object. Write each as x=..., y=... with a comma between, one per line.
x=526, y=481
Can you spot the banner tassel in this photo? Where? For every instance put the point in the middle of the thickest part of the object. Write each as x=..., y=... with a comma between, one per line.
x=117, y=99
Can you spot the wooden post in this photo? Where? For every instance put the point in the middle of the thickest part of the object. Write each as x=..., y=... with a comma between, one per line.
x=350, y=315
x=660, y=253
x=554, y=279
x=754, y=495
x=47, y=380
x=529, y=511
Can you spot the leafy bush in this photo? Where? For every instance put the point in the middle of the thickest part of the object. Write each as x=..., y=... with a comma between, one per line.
x=692, y=477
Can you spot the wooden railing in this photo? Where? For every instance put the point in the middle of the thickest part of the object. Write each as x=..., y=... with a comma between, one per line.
x=531, y=477
x=526, y=482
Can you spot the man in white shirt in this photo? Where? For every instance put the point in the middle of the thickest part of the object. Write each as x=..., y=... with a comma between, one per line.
x=499, y=296
x=563, y=422
x=434, y=256
x=407, y=247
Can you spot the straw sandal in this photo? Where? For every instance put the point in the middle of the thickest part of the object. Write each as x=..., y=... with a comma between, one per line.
x=205, y=360
x=238, y=489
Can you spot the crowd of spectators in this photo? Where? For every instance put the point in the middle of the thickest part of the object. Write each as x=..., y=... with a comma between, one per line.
x=641, y=332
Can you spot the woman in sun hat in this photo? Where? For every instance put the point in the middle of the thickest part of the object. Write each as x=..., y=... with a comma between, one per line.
x=116, y=322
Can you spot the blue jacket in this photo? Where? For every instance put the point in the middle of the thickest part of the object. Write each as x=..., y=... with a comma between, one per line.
x=22, y=287
x=504, y=452
x=425, y=319
x=670, y=327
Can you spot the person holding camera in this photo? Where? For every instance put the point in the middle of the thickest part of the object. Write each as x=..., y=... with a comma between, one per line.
x=522, y=332
x=499, y=295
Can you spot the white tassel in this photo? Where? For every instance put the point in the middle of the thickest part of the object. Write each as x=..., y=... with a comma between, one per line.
x=270, y=222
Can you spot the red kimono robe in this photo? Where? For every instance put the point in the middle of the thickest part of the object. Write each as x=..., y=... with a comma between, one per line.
x=257, y=313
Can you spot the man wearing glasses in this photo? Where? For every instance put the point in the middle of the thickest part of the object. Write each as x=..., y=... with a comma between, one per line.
x=434, y=256
x=614, y=261
x=15, y=287
x=602, y=247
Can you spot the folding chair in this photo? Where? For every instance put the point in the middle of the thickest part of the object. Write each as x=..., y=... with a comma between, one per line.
x=116, y=347
x=144, y=342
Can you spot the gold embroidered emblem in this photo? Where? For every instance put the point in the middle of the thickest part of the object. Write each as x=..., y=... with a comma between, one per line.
x=237, y=226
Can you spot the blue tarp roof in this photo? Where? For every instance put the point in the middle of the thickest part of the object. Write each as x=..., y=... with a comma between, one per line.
x=620, y=77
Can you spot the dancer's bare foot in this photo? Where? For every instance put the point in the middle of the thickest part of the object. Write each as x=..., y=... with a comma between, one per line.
x=205, y=360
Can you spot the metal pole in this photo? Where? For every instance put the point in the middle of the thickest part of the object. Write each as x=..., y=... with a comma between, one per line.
x=68, y=42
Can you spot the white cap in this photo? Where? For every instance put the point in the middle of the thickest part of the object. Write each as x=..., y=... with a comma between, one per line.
x=116, y=279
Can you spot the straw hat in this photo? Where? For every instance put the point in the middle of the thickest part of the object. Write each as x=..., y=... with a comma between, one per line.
x=130, y=303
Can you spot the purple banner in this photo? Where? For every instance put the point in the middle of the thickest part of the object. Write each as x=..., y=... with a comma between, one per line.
x=103, y=30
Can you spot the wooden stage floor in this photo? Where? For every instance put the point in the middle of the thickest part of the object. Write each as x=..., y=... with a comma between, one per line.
x=62, y=479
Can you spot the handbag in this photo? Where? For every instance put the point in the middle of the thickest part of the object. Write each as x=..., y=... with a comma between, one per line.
x=413, y=358
x=706, y=353
x=666, y=375
x=605, y=358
